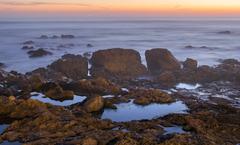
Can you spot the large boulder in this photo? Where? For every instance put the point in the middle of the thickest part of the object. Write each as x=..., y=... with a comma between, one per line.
x=117, y=63
x=71, y=66
x=94, y=104
x=160, y=60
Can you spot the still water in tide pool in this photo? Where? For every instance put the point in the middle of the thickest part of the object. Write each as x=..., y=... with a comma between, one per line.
x=130, y=111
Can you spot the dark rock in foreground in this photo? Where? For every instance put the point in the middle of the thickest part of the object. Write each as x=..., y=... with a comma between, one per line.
x=71, y=66
x=117, y=63
x=39, y=53
x=160, y=60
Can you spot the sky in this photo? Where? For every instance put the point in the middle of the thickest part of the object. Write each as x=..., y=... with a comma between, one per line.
x=86, y=8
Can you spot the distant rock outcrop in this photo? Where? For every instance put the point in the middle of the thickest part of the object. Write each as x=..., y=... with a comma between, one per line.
x=39, y=53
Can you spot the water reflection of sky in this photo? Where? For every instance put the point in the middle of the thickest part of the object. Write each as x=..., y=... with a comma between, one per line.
x=2, y=128
x=42, y=98
x=130, y=111
x=173, y=130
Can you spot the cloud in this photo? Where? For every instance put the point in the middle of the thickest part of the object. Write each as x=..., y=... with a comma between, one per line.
x=43, y=3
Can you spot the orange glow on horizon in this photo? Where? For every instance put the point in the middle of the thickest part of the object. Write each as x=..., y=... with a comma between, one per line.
x=151, y=8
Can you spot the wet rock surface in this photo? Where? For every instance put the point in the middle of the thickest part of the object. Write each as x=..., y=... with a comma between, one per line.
x=71, y=66
x=211, y=117
x=159, y=60
x=94, y=104
x=117, y=63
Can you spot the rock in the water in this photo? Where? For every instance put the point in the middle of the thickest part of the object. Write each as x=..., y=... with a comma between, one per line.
x=117, y=63
x=2, y=65
x=43, y=37
x=190, y=64
x=27, y=47
x=189, y=46
x=67, y=36
x=94, y=104
x=28, y=42
x=160, y=60
x=89, y=45
x=71, y=66
x=54, y=37
x=39, y=53
x=225, y=32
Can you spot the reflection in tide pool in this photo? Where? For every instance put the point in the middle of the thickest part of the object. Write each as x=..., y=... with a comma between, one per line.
x=187, y=86
x=3, y=127
x=173, y=130
x=130, y=111
x=10, y=143
x=42, y=98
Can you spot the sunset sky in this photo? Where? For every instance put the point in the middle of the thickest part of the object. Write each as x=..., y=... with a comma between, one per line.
x=41, y=8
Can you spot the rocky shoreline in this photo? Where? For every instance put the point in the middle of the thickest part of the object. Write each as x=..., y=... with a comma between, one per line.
x=210, y=115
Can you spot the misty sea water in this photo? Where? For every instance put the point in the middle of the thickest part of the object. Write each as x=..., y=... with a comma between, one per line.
x=208, y=44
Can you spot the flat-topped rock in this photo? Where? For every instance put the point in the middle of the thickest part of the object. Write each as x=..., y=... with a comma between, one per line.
x=117, y=63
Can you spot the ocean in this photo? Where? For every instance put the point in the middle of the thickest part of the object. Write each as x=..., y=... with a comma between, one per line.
x=211, y=40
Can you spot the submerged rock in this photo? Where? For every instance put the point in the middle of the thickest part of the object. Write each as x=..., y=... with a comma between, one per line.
x=117, y=63
x=67, y=36
x=89, y=45
x=94, y=104
x=39, y=53
x=71, y=66
x=27, y=47
x=189, y=46
x=160, y=60
x=30, y=42
x=225, y=32
x=43, y=37
x=2, y=65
